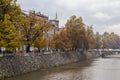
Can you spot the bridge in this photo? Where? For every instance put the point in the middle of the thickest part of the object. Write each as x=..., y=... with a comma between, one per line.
x=105, y=52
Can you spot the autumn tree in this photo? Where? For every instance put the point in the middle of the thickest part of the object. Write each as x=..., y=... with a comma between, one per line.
x=111, y=40
x=60, y=40
x=98, y=41
x=107, y=41
x=33, y=27
x=10, y=14
x=40, y=42
x=90, y=38
x=76, y=32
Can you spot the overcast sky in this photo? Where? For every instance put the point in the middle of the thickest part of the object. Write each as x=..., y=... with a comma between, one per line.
x=104, y=15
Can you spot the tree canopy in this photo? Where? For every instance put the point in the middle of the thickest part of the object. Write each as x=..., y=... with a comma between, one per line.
x=30, y=29
x=107, y=41
x=33, y=27
x=76, y=32
x=74, y=35
x=10, y=14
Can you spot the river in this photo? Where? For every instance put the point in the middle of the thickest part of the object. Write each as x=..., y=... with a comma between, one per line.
x=107, y=68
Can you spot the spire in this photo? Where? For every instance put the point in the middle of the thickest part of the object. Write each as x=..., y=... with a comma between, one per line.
x=56, y=16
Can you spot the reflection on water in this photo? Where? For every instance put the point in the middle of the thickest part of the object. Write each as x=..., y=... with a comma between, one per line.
x=98, y=69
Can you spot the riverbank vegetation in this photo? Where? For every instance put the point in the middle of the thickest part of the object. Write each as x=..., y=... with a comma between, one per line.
x=74, y=35
x=107, y=40
x=17, y=29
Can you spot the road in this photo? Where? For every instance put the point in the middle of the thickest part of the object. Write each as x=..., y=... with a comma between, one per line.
x=97, y=69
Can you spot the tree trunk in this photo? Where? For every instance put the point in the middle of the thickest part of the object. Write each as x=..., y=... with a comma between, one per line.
x=28, y=48
x=38, y=49
x=0, y=50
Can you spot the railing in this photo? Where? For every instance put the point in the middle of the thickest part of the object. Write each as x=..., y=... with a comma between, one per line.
x=116, y=50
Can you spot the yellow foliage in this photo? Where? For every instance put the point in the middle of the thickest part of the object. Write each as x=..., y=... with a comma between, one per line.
x=60, y=40
x=40, y=42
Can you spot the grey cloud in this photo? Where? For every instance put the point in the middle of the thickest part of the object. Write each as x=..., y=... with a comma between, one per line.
x=85, y=8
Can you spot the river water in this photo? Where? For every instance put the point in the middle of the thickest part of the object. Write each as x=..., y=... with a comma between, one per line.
x=97, y=69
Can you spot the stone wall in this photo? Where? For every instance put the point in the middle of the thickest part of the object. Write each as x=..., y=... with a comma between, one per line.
x=19, y=64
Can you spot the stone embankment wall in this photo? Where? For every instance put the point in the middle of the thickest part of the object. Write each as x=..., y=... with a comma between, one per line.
x=19, y=64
